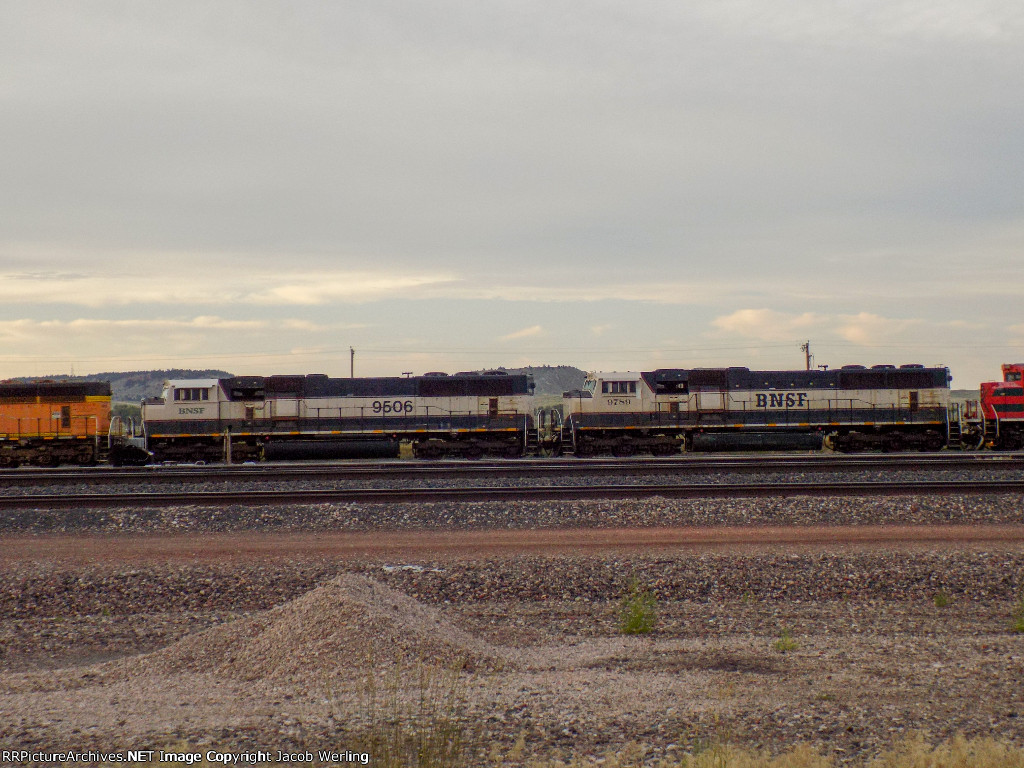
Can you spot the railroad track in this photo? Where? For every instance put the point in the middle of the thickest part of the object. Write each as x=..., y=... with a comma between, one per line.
x=509, y=494
x=400, y=469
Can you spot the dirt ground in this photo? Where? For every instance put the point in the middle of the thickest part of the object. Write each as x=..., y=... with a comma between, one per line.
x=845, y=636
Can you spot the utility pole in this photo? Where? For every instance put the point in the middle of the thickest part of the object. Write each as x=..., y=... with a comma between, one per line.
x=806, y=349
x=351, y=363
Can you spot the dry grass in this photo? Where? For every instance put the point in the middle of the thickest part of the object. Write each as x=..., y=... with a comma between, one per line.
x=915, y=752
x=409, y=713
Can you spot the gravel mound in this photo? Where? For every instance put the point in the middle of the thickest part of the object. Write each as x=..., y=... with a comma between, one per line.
x=337, y=630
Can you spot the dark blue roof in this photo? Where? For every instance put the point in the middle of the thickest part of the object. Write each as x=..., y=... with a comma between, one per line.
x=668, y=380
x=318, y=385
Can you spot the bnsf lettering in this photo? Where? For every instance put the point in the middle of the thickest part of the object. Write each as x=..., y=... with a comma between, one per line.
x=782, y=400
x=190, y=411
x=392, y=406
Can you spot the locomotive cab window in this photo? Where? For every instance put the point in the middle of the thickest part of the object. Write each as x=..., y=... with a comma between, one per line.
x=191, y=394
x=618, y=387
x=1013, y=376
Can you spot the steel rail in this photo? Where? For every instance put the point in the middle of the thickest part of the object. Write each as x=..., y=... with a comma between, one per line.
x=523, y=467
x=511, y=494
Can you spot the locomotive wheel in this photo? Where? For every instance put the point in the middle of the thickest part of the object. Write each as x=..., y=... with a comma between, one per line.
x=624, y=450
x=427, y=451
x=584, y=451
x=473, y=452
x=892, y=443
x=1011, y=441
x=846, y=444
x=513, y=451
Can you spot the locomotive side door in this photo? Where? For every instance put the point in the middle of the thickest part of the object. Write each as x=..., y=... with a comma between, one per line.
x=710, y=401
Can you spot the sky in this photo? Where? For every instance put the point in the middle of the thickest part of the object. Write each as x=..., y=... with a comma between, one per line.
x=260, y=186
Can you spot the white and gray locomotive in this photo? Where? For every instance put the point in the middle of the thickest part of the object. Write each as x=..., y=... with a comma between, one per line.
x=246, y=418
x=671, y=409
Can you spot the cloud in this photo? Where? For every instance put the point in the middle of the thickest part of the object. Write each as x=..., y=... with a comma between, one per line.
x=322, y=288
x=869, y=330
x=212, y=285
x=767, y=324
x=533, y=330
x=863, y=329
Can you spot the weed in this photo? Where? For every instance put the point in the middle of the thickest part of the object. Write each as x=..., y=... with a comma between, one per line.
x=785, y=643
x=1017, y=617
x=639, y=610
x=942, y=599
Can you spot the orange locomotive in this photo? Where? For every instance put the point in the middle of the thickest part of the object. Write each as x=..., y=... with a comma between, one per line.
x=47, y=423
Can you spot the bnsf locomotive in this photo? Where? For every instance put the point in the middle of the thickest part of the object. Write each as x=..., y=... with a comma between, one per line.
x=46, y=423
x=671, y=409
x=244, y=418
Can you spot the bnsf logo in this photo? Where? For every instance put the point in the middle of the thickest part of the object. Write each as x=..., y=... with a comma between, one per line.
x=190, y=411
x=787, y=400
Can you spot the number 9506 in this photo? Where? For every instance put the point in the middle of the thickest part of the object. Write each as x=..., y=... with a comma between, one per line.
x=392, y=406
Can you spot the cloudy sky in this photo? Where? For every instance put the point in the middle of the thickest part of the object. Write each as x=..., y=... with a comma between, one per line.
x=258, y=186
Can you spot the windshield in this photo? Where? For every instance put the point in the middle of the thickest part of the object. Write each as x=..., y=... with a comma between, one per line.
x=590, y=385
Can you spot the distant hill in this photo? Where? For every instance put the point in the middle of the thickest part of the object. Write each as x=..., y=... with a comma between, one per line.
x=133, y=386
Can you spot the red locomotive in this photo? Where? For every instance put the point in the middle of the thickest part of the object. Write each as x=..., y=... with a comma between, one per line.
x=1002, y=410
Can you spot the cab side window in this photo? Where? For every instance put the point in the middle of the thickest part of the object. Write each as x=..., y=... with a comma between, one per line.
x=191, y=394
x=618, y=387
